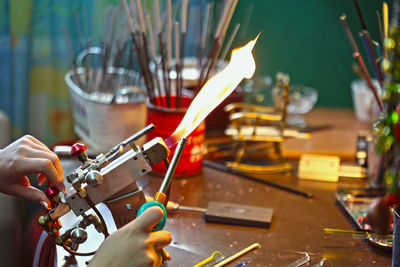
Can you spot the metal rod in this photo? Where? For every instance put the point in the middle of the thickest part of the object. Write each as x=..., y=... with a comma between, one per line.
x=221, y=167
x=381, y=34
x=172, y=166
x=139, y=134
x=177, y=65
x=360, y=16
x=130, y=139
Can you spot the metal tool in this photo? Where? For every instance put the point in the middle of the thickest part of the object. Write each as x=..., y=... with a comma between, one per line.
x=161, y=195
x=174, y=206
x=108, y=178
x=357, y=234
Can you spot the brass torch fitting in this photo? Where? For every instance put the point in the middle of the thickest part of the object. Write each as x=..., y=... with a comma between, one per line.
x=160, y=197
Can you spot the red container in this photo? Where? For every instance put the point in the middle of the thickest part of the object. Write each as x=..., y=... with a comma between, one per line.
x=166, y=120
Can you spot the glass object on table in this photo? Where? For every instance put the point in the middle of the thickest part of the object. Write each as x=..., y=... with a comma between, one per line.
x=258, y=90
x=301, y=100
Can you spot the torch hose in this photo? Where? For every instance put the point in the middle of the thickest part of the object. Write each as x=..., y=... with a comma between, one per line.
x=78, y=253
x=103, y=222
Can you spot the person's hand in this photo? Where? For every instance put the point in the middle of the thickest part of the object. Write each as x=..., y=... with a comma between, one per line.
x=26, y=156
x=134, y=244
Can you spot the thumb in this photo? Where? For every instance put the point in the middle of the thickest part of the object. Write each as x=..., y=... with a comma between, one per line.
x=149, y=218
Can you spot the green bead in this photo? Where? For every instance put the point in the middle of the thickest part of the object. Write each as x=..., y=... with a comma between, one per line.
x=390, y=44
x=386, y=65
x=380, y=145
x=386, y=131
x=389, y=179
x=395, y=117
x=388, y=142
x=386, y=95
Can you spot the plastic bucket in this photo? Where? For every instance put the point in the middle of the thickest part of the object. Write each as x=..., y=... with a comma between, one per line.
x=103, y=119
x=166, y=120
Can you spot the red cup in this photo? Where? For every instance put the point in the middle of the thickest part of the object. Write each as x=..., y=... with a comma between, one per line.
x=166, y=120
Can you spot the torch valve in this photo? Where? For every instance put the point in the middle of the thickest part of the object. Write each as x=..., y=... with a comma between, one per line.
x=48, y=224
x=78, y=236
x=78, y=150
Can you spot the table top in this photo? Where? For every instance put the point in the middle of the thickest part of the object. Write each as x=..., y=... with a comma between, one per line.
x=340, y=139
x=297, y=223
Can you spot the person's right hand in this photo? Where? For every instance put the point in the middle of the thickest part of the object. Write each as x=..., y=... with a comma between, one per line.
x=134, y=244
x=28, y=155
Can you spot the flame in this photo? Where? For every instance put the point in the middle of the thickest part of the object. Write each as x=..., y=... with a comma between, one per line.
x=215, y=90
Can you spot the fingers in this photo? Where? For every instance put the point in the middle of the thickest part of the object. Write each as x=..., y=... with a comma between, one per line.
x=56, y=162
x=28, y=192
x=44, y=166
x=34, y=143
x=160, y=239
x=41, y=179
x=149, y=218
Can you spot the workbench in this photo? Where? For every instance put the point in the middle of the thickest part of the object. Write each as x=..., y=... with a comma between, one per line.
x=297, y=223
x=337, y=136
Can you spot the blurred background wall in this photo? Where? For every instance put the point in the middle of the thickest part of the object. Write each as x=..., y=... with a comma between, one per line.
x=307, y=40
x=34, y=58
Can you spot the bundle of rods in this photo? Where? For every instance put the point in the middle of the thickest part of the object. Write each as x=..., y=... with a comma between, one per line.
x=105, y=66
x=157, y=64
x=375, y=51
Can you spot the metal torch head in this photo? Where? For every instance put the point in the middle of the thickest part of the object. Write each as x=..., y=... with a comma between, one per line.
x=156, y=150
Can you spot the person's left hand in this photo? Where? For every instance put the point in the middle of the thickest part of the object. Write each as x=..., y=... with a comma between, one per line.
x=26, y=156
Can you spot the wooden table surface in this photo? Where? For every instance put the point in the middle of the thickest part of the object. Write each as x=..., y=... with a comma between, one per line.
x=339, y=140
x=296, y=227
x=297, y=222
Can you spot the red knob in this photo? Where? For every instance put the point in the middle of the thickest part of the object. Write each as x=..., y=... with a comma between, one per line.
x=77, y=149
x=51, y=192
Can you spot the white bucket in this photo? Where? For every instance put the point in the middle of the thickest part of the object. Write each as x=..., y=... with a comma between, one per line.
x=103, y=119
x=365, y=107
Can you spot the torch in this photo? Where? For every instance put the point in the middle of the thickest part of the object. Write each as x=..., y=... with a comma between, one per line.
x=161, y=196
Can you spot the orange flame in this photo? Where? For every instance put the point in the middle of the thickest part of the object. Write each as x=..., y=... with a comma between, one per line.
x=215, y=90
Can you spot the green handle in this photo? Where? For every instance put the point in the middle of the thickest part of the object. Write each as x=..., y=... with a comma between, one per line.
x=153, y=203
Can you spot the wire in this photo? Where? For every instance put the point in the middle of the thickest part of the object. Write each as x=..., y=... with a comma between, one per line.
x=78, y=253
x=103, y=222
